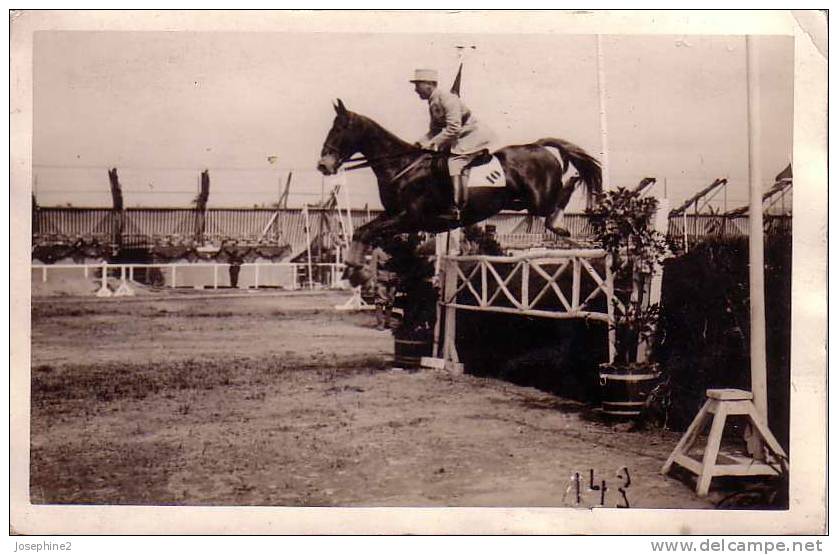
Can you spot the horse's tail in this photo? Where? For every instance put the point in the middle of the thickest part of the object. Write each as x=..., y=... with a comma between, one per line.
x=587, y=166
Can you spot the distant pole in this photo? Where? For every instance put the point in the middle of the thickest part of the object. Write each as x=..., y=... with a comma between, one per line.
x=282, y=205
x=755, y=248
x=725, y=200
x=118, y=209
x=308, y=246
x=286, y=192
x=278, y=205
x=603, y=122
x=350, y=224
x=201, y=207
x=36, y=221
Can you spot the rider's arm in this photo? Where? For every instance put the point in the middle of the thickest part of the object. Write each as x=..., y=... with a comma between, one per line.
x=425, y=138
x=453, y=121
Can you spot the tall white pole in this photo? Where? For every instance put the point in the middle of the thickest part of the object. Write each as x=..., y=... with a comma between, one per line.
x=755, y=249
x=350, y=228
x=603, y=122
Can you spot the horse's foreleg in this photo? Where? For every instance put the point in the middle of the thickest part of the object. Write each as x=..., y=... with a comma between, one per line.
x=372, y=234
x=355, y=253
x=395, y=225
x=362, y=239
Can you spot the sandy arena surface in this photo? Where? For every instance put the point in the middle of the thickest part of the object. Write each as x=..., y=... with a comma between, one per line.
x=277, y=399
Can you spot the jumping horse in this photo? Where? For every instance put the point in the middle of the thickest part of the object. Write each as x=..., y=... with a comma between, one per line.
x=415, y=187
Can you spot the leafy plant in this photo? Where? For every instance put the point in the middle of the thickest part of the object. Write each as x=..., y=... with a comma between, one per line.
x=479, y=240
x=637, y=323
x=621, y=223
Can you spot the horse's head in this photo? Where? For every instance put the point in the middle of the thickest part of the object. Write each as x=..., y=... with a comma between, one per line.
x=341, y=142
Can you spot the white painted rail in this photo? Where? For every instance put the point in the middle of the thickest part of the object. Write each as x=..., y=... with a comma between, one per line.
x=202, y=274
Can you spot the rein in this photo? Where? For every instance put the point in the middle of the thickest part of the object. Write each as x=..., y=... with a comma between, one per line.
x=364, y=162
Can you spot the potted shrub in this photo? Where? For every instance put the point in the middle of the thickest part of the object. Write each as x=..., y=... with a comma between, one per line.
x=415, y=295
x=481, y=240
x=621, y=223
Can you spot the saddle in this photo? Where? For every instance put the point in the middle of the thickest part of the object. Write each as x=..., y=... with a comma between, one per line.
x=484, y=170
x=440, y=164
x=482, y=157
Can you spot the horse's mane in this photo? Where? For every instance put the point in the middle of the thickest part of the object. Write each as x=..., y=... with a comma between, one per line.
x=371, y=125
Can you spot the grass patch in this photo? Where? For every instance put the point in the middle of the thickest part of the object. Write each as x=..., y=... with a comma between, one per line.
x=101, y=473
x=108, y=382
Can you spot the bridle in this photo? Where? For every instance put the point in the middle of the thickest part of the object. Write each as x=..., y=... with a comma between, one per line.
x=364, y=162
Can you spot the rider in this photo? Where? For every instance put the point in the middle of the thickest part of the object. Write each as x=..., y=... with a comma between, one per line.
x=453, y=128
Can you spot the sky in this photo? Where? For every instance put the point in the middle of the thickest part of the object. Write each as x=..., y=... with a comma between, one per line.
x=162, y=106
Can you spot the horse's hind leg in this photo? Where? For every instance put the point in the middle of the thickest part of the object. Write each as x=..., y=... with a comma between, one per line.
x=555, y=222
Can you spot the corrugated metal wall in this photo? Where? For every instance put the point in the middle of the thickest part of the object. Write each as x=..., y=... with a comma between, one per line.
x=143, y=225
x=74, y=221
x=246, y=225
x=152, y=222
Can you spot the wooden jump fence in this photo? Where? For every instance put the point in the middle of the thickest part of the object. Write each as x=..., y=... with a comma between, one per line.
x=558, y=284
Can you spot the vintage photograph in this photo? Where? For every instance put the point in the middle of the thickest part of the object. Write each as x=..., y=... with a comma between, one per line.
x=411, y=267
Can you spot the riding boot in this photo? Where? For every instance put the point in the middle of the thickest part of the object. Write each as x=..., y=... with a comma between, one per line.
x=452, y=213
x=460, y=183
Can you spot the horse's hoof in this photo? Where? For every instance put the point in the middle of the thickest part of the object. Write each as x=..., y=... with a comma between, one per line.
x=561, y=232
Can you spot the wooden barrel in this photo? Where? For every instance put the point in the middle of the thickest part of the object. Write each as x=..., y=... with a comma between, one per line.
x=409, y=352
x=625, y=389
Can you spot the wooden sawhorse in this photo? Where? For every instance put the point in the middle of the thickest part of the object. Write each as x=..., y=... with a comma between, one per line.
x=720, y=404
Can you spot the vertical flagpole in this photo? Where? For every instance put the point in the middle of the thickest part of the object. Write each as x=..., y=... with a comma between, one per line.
x=756, y=271
x=758, y=434
x=603, y=122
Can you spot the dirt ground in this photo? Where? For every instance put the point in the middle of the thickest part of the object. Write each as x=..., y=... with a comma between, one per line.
x=277, y=399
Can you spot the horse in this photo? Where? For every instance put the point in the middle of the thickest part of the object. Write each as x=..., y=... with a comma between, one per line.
x=415, y=188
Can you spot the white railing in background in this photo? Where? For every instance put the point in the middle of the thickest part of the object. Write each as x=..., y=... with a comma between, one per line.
x=289, y=275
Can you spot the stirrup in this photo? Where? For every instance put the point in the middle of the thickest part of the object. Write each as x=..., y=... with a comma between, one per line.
x=453, y=214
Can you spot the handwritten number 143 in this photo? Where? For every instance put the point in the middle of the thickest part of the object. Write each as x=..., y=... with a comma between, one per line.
x=601, y=486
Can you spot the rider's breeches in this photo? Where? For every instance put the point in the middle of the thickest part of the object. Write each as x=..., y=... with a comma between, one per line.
x=459, y=177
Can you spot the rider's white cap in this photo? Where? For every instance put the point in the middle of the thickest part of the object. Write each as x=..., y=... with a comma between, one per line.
x=425, y=75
